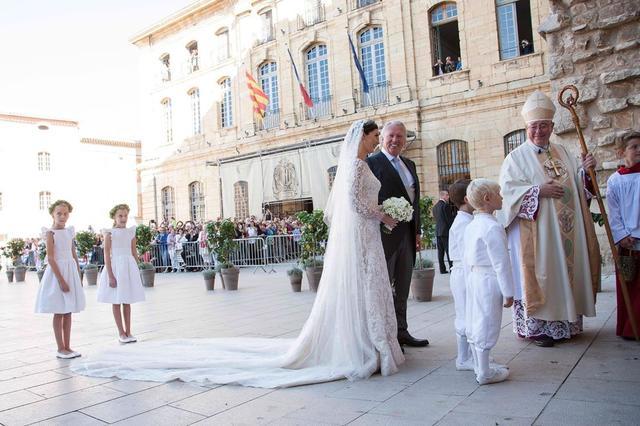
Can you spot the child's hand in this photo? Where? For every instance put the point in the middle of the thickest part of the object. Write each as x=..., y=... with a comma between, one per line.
x=112, y=282
x=508, y=302
x=64, y=287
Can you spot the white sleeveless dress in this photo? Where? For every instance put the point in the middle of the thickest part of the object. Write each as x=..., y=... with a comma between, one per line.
x=125, y=269
x=51, y=299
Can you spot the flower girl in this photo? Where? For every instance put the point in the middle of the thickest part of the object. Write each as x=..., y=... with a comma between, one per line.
x=60, y=292
x=119, y=282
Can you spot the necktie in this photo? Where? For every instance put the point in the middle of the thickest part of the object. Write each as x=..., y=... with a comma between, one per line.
x=396, y=165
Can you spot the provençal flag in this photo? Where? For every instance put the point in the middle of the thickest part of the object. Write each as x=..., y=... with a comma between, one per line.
x=258, y=97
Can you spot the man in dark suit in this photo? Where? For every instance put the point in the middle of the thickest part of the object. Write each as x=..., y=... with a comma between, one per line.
x=443, y=213
x=399, y=179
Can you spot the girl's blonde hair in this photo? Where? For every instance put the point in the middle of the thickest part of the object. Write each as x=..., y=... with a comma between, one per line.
x=57, y=203
x=478, y=189
x=114, y=210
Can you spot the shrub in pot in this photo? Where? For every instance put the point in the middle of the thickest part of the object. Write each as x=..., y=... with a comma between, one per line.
x=295, y=278
x=209, y=276
x=221, y=240
x=422, y=279
x=12, y=252
x=147, y=274
x=85, y=240
x=312, y=244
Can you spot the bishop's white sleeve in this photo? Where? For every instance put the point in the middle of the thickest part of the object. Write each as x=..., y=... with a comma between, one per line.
x=496, y=240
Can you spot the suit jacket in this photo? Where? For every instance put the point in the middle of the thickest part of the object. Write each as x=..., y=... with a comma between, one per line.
x=392, y=186
x=443, y=213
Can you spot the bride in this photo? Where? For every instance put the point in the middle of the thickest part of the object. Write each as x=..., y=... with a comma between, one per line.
x=351, y=332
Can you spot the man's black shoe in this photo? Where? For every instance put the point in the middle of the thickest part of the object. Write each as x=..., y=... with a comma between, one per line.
x=408, y=340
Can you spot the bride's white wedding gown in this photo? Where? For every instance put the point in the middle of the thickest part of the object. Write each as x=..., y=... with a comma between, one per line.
x=351, y=331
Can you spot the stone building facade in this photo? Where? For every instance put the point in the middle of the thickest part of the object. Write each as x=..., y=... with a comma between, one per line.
x=43, y=159
x=595, y=45
x=206, y=155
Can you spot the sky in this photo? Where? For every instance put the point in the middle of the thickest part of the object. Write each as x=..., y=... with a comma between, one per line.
x=72, y=59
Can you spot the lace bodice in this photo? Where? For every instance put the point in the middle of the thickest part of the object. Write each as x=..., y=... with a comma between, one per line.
x=363, y=191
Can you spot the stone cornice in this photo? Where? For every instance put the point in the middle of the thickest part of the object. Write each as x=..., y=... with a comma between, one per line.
x=109, y=142
x=17, y=118
x=173, y=19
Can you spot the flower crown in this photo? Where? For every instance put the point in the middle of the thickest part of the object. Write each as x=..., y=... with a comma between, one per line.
x=114, y=210
x=57, y=203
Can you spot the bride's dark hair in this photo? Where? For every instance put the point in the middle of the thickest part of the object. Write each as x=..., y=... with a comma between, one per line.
x=369, y=126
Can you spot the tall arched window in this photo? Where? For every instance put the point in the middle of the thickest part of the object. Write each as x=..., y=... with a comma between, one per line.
x=222, y=44
x=268, y=74
x=165, y=67
x=193, y=63
x=331, y=174
x=453, y=163
x=196, y=121
x=196, y=201
x=44, y=200
x=373, y=64
x=226, y=105
x=515, y=33
x=44, y=162
x=167, y=125
x=445, y=40
x=513, y=140
x=168, y=203
x=241, y=198
x=317, y=65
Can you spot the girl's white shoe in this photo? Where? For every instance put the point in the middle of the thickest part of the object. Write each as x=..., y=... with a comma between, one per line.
x=131, y=339
x=123, y=339
x=69, y=355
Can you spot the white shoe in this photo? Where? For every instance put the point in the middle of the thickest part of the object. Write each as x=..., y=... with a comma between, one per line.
x=131, y=339
x=123, y=339
x=465, y=366
x=497, y=375
x=76, y=354
x=63, y=355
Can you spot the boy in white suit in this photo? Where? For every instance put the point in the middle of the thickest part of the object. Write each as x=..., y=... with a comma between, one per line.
x=490, y=278
x=458, y=279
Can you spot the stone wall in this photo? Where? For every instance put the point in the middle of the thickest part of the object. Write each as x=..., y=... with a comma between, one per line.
x=594, y=45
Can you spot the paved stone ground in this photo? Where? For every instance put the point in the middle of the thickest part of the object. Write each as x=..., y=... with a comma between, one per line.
x=592, y=380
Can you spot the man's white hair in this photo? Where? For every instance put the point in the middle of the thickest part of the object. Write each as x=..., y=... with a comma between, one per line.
x=478, y=189
x=393, y=123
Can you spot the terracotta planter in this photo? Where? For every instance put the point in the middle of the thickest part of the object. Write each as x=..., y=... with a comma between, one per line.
x=230, y=278
x=422, y=284
x=210, y=283
x=314, y=273
x=92, y=276
x=20, y=274
x=148, y=277
x=10, y=276
x=296, y=283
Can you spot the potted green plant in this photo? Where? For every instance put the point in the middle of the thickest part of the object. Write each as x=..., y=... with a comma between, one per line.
x=220, y=238
x=209, y=276
x=295, y=278
x=312, y=244
x=144, y=236
x=423, y=271
x=13, y=251
x=85, y=240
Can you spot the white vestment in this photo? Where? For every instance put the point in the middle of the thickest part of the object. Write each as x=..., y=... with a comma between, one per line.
x=553, y=271
x=457, y=280
x=490, y=279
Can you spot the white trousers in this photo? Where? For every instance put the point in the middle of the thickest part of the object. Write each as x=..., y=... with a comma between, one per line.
x=459, y=291
x=484, y=313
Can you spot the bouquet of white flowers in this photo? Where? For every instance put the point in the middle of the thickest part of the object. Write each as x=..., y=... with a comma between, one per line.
x=397, y=208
